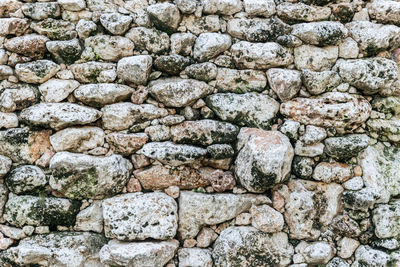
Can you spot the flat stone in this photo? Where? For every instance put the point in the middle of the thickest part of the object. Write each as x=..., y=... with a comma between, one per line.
x=371, y=75
x=210, y=45
x=65, y=51
x=285, y=83
x=319, y=82
x=385, y=219
x=90, y=218
x=59, y=115
x=261, y=56
x=115, y=23
x=387, y=12
x=198, y=209
x=151, y=40
x=297, y=12
x=249, y=109
x=93, y=72
x=41, y=10
x=56, y=90
x=322, y=33
x=222, y=7
x=251, y=248
x=110, y=48
x=254, y=167
x=55, y=29
x=177, y=92
x=32, y=210
x=77, y=139
x=334, y=109
x=138, y=216
x=79, y=176
x=122, y=116
x=126, y=144
x=333, y=172
x=13, y=26
x=135, y=69
x=204, y=132
x=172, y=154
x=345, y=147
x=19, y=97
x=26, y=179
x=240, y=81
x=195, y=257
x=257, y=8
x=30, y=45
x=312, y=150
x=37, y=71
x=315, y=58
x=101, y=94
x=165, y=16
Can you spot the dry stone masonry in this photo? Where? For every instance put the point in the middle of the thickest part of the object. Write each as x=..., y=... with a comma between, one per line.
x=200, y=133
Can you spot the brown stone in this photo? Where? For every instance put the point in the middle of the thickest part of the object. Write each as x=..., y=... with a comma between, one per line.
x=222, y=164
x=140, y=161
x=220, y=181
x=32, y=45
x=333, y=172
x=133, y=186
x=206, y=237
x=126, y=144
x=140, y=95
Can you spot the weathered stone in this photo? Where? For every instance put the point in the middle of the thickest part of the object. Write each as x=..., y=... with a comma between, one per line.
x=334, y=109
x=26, y=179
x=346, y=247
x=85, y=28
x=313, y=150
x=57, y=249
x=320, y=33
x=384, y=129
x=116, y=23
x=13, y=26
x=257, y=8
x=56, y=90
x=103, y=6
x=210, y=45
x=158, y=133
x=101, y=94
x=138, y=216
x=197, y=209
x=5, y=165
x=385, y=11
x=204, y=132
x=313, y=135
x=206, y=71
x=55, y=29
x=172, y=64
x=59, y=115
x=126, y=144
x=320, y=82
x=266, y=219
x=72, y=5
x=194, y=257
x=203, y=24
x=303, y=166
x=177, y=92
x=172, y=154
x=135, y=69
x=222, y=7
x=5, y=72
x=37, y=71
x=165, y=16
x=8, y=7
x=240, y=81
x=285, y=83
x=30, y=45
x=315, y=58
x=24, y=146
x=255, y=168
x=250, y=109
x=121, y=116
x=18, y=97
x=90, y=219
x=92, y=72
x=332, y=172
x=385, y=219
x=79, y=176
x=151, y=40
x=261, y=56
x=320, y=252
x=251, y=247
x=3, y=197
x=182, y=43
x=41, y=10
x=371, y=75
x=110, y=48
x=367, y=256
x=296, y=12
x=345, y=147
x=77, y=139
x=31, y=210
x=348, y=48
x=65, y=51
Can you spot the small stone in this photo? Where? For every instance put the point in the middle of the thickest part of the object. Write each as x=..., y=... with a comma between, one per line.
x=133, y=186
x=85, y=28
x=332, y=172
x=18, y=98
x=12, y=232
x=5, y=72
x=373, y=257
x=115, y=23
x=101, y=94
x=110, y=48
x=194, y=257
x=72, y=5
x=90, y=218
x=303, y=166
x=243, y=219
x=385, y=12
x=210, y=45
x=285, y=83
x=189, y=243
x=315, y=58
x=301, y=149
x=55, y=29
x=346, y=247
x=172, y=191
x=322, y=33
x=41, y=10
x=135, y=69
x=140, y=161
x=172, y=64
x=348, y=48
x=37, y=71
x=313, y=135
x=220, y=181
x=204, y=24
x=92, y=72
x=355, y=183
x=126, y=144
x=206, y=237
x=13, y=26
x=151, y=40
x=165, y=16
x=290, y=129
x=56, y=90
x=385, y=219
x=5, y=165
x=186, y=6
x=182, y=43
x=296, y=12
x=319, y=252
x=158, y=133
x=266, y=219
x=76, y=139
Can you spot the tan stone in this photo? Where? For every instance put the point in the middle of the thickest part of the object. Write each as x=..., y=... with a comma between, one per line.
x=126, y=144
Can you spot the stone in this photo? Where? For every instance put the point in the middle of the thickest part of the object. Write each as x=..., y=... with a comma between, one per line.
x=285, y=83
x=182, y=43
x=5, y=72
x=165, y=16
x=303, y=166
x=203, y=24
x=266, y=219
x=313, y=135
x=37, y=71
x=79, y=176
x=345, y=147
x=158, y=133
x=85, y=28
x=72, y=5
x=55, y=29
x=320, y=82
x=297, y=12
x=251, y=247
x=36, y=211
x=345, y=226
x=121, y=116
x=102, y=6
x=371, y=75
x=385, y=219
x=178, y=92
x=56, y=90
x=115, y=23
x=373, y=38
x=387, y=12
x=332, y=172
x=117, y=253
x=172, y=64
x=346, y=247
x=94, y=72
x=18, y=97
x=322, y=33
x=240, y=81
x=13, y=26
x=102, y=94
x=337, y=110
x=313, y=150
x=309, y=206
x=77, y=139
x=384, y=129
x=260, y=56
x=220, y=181
x=210, y=45
x=172, y=154
x=24, y=146
x=206, y=71
x=5, y=165
x=355, y=183
x=257, y=8
x=290, y=129
x=206, y=237
x=90, y=218
x=138, y=216
x=204, y=132
x=9, y=7
x=348, y=48
x=135, y=69
x=151, y=40
x=222, y=7
x=26, y=179
x=220, y=151
x=320, y=252
x=65, y=51
x=110, y=48
x=315, y=58
x=254, y=167
x=12, y=232
x=186, y=6
x=57, y=249
x=30, y=45
x=370, y=257
x=58, y=115
x=3, y=199
x=249, y=109
x=194, y=257
x=198, y=209
x=387, y=105
x=41, y=10
x=126, y=144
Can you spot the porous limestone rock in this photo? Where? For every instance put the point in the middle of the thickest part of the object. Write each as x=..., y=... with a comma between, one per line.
x=240, y=81
x=194, y=257
x=223, y=7
x=322, y=33
x=18, y=97
x=315, y=58
x=90, y=218
x=210, y=45
x=26, y=179
x=110, y=48
x=332, y=172
x=65, y=51
x=5, y=165
x=151, y=40
x=55, y=29
x=372, y=257
x=135, y=69
x=98, y=95
x=126, y=144
x=56, y=90
x=319, y=252
x=115, y=23
x=387, y=12
x=344, y=147
x=41, y=10
x=285, y=83
x=206, y=71
x=386, y=219
x=93, y=72
x=77, y=139
x=321, y=81
x=15, y=26
x=30, y=45
x=165, y=16
x=37, y=71
x=266, y=219
x=297, y=12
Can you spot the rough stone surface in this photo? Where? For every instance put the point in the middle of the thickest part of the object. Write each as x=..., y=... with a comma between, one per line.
x=26, y=179
x=77, y=139
x=37, y=71
x=240, y=81
x=101, y=94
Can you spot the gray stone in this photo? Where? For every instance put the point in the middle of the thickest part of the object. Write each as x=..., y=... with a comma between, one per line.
x=98, y=95
x=135, y=69
x=55, y=29
x=41, y=10
x=320, y=82
x=320, y=252
x=296, y=12
x=240, y=81
x=203, y=24
x=194, y=257
x=257, y=8
x=56, y=90
x=77, y=139
x=151, y=40
x=369, y=257
x=72, y=5
x=206, y=71
x=5, y=165
x=385, y=219
x=210, y=45
x=90, y=218
x=315, y=58
x=65, y=51
x=115, y=23
x=26, y=179
x=110, y=48
x=18, y=97
x=85, y=28
x=222, y=7
x=172, y=64
x=165, y=16
x=345, y=147
x=285, y=83
x=37, y=71
x=387, y=12
x=182, y=43
x=320, y=33
x=92, y=72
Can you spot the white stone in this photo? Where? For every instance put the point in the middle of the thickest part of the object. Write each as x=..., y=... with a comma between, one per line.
x=90, y=218
x=285, y=83
x=5, y=165
x=387, y=12
x=165, y=16
x=135, y=69
x=346, y=247
x=373, y=257
x=294, y=12
x=348, y=48
x=385, y=219
x=315, y=58
x=260, y=8
x=116, y=23
x=319, y=252
x=37, y=71
x=223, y=7
x=110, y=48
x=8, y=120
x=56, y=90
x=77, y=139
x=266, y=219
x=210, y=45
x=313, y=150
x=102, y=94
x=194, y=257
x=320, y=33
x=72, y=5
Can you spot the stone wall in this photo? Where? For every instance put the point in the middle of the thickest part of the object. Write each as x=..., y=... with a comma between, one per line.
x=199, y=133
